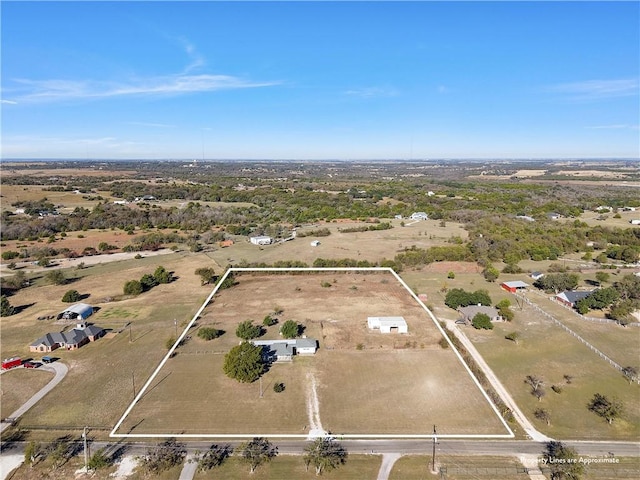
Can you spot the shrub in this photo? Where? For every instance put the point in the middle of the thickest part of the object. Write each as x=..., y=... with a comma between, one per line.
x=290, y=329
x=278, y=387
x=209, y=333
x=269, y=321
x=556, y=388
x=443, y=343
x=10, y=255
x=71, y=296
x=451, y=275
x=247, y=330
x=325, y=284
x=132, y=287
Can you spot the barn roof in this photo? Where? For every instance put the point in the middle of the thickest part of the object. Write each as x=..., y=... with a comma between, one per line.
x=515, y=284
x=79, y=308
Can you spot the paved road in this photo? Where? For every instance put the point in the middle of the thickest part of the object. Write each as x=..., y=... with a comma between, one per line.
x=60, y=370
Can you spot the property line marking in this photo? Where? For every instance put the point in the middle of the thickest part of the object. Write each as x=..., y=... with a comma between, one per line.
x=140, y=394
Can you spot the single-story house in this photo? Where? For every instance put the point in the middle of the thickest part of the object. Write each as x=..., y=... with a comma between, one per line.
x=553, y=216
x=315, y=243
x=537, y=275
x=419, y=216
x=388, y=324
x=284, y=350
x=71, y=340
x=514, y=286
x=570, y=297
x=261, y=240
x=472, y=310
x=79, y=311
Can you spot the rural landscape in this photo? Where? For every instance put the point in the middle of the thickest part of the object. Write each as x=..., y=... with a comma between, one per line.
x=264, y=319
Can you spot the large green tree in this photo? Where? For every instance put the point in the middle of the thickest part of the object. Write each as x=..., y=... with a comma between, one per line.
x=244, y=362
x=605, y=408
x=256, y=452
x=290, y=329
x=558, y=282
x=324, y=454
x=6, y=309
x=247, y=330
x=562, y=461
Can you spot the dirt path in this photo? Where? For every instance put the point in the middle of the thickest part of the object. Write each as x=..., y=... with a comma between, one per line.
x=497, y=386
x=313, y=409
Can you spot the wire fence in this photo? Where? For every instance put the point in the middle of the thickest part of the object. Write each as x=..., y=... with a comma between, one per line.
x=574, y=334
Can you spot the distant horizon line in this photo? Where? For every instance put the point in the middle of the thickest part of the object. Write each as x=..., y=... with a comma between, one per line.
x=341, y=160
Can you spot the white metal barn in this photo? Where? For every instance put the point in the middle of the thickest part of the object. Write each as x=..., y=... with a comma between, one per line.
x=261, y=240
x=388, y=324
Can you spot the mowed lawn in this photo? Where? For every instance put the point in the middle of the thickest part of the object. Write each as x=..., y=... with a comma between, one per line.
x=18, y=386
x=360, y=374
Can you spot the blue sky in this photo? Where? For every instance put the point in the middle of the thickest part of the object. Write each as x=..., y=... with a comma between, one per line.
x=320, y=80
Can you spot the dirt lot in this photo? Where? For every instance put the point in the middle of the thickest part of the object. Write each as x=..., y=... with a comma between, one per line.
x=359, y=373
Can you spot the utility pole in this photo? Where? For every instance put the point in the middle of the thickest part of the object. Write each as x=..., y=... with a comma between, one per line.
x=435, y=439
x=84, y=437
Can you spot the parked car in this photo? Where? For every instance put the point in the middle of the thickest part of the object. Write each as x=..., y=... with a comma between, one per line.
x=47, y=359
x=30, y=364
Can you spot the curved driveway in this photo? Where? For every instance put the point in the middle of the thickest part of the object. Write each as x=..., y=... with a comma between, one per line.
x=60, y=370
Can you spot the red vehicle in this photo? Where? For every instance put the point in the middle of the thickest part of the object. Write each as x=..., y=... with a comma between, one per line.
x=11, y=363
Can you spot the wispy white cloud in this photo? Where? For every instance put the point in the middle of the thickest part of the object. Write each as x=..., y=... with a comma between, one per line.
x=185, y=82
x=597, y=89
x=197, y=60
x=372, y=92
x=9, y=102
x=55, y=90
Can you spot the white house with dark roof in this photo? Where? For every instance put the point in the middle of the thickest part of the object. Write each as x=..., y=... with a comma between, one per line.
x=388, y=324
x=419, y=216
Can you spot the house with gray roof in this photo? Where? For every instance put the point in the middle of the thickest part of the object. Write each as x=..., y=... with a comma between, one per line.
x=284, y=350
x=570, y=297
x=70, y=339
x=467, y=313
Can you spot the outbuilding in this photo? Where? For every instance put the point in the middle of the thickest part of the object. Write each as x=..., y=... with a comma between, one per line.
x=388, y=324
x=79, y=311
x=514, y=286
x=315, y=243
x=261, y=240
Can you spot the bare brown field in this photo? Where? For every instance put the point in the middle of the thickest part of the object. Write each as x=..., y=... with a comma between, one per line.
x=359, y=373
x=18, y=385
x=65, y=201
x=371, y=246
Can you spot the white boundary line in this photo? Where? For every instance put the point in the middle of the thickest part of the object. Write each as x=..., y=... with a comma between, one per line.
x=141, y=393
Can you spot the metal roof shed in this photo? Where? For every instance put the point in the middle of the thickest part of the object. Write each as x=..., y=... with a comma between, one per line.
x=79, y=311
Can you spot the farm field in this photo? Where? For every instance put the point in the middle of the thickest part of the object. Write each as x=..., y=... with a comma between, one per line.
x=355, y=375
x=545, y=350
